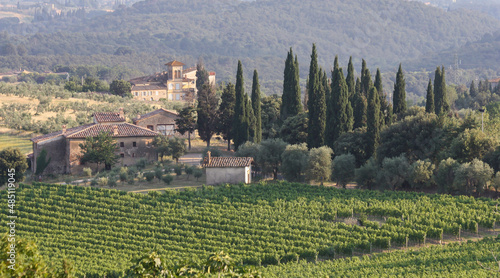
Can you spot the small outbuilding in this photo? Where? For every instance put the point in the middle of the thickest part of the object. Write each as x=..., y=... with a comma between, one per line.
x=221, y=170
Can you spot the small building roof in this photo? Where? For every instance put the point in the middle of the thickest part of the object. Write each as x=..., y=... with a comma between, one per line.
x=108, y=117
x=122, y=130
x=174, y=63
x=141, y=87
x=227, y=162
x=496, y=80
x=154, y=113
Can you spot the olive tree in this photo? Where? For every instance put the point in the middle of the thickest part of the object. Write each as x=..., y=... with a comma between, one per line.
x=319, y=164
x=343, y=167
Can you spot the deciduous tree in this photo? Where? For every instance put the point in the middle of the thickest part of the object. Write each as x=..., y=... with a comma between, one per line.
x=186, y=122
x=12, y=165
x=100, y=150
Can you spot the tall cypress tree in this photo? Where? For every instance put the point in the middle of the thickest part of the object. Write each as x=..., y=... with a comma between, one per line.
x=473, y=89
x=384, y=104
x=257, y=137
x=330, y=107
x=440, y=95
x=226, y=114
x=350, y=80
x=373, y=122
x=364, y=90
x=399, y=95
x=343, y=113
x=429, y=101
x=316, y=104
x=291, y=104
x=360, y=106
x=366, y=82
x=240, y=123
x=207, y=112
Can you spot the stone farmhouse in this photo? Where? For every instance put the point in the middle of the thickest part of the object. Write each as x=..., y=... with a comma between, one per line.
x=175, y=84
x=133, y=140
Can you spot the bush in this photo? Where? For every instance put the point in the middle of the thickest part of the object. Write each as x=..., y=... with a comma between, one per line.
x=214, y=152
x=141, y=164
x=366, y=175
x=87, y=172
x=189, y=171
x=93, y=182
x=112, y=181
x=178, y=170
x=68, y=180
x=103, y=181
x=158, y=173
x=123, y=177
x=131, y=181
x=149, y=176
x=168, y=179
x=197, y=174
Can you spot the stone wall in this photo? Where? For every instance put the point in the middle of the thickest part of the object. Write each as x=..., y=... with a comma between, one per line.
x=130, y=153
x=55, y=151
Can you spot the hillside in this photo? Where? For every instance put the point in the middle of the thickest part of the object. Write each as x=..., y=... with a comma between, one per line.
x=384, y=32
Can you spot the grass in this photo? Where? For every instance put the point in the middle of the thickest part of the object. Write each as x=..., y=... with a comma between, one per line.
x=21, y=142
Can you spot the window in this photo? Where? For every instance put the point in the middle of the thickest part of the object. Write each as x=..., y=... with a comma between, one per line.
x=166, y=129
x=122, y=144
x=170, y=86
x=151, y=127
x=177, y=86
x=122, y=155
x=151, y=98
x=134, y=144
x=177, y=96
x=156, y=92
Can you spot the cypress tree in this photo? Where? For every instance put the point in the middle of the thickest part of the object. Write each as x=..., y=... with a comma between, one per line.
x=366, y=82
x=252, y=121
x=343, y=113
x=373, y=122
x=226, y=114
x=440, y=96
x=330, y=107
x=384, y=104
x=240, y=123
x=316, y=104
x=429, y=102
x=256, y=107
x=291, y=104
x=207, y=112
x=399, y=95
x=360, y=106
x=285, y=97
x=350, y=80
x=473, y=89
x=364, y=90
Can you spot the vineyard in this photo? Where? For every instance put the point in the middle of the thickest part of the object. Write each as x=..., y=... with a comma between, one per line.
x=103, y=230
x=471, y=259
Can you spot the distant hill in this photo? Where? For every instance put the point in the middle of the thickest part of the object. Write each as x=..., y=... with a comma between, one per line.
x=383, y=32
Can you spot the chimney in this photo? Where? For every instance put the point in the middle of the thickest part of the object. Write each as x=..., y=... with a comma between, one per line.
x=63, y=129
x=115, y=130
x=122, y=115
x=208, y=156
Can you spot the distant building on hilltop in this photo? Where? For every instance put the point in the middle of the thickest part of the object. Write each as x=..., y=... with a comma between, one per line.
x=175, y=84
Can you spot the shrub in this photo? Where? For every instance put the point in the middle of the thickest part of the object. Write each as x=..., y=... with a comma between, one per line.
x=366, y=175
x=189, y=171
x=123, y=177
x=149, y=176
x=178, y=170
x=141, y=163
x=168, y=179
x=68, y=180
x=103, y=181
x=112, y=181
x=87, y=172
x=158, y=173
x=197, y=174
x=93, y=182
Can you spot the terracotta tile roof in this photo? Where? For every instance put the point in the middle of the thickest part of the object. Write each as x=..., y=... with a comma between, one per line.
x=174, y=63
x=189, y=70
x=123, y=130
x=227, y=162
x=212, y=73
x=496, y=80
x=106, y=117
x=156, y=112
x=51, y=135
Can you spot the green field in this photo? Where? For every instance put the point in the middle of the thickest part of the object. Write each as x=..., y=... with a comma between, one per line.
x=102, y=230
x=16, y=141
